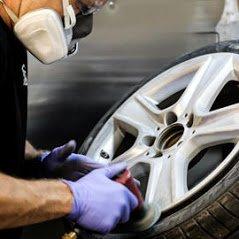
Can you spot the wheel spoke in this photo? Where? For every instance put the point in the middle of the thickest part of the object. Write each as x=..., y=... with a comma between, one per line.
x=206, y=83
x=134, y=114
x=150, y=108
x=159, y=184
x=133, y=124
x=208, y=96
x=132, y=156
x=179, y=178
x=179, y=171
x=168, y=176
x=167, y=181
x=220, y=126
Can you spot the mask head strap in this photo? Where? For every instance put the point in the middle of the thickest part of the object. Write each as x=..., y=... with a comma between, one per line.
x=69, y=15
x=10, y=13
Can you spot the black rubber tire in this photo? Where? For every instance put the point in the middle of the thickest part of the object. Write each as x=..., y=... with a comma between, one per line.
x=214, y=211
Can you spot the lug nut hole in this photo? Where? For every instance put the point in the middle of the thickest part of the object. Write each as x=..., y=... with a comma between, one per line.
x=149, y=140
x=171, y=118
x=158, y=154
x=190, y=121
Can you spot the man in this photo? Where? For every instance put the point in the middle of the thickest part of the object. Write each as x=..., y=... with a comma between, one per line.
x=48, y=29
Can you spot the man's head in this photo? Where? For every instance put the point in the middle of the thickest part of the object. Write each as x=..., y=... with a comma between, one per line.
x=49, y=28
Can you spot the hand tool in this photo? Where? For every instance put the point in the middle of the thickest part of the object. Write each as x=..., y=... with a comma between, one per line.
x=142, y=218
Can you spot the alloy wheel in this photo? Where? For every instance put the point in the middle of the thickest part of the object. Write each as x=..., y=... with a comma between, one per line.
x=179, y=131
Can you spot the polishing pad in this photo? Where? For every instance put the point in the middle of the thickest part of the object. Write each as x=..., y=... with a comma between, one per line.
x=142, y=220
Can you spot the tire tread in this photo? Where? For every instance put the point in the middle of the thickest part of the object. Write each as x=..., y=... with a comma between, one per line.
x=223, y=216
x=231, y=203
x=217, y=221
x=176, y=233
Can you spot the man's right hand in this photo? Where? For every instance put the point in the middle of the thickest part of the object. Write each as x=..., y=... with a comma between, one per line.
x=99, y=203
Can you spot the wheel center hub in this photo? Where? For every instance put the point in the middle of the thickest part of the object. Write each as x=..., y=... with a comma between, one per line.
x=170, y=136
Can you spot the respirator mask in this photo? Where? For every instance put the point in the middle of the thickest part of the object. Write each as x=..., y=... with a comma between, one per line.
x=46, y=35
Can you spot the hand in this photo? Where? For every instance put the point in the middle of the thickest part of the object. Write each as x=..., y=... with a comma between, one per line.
x=61, y=162
x=99, y=203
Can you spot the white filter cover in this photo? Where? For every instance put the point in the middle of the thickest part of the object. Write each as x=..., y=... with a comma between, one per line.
x=42, y=33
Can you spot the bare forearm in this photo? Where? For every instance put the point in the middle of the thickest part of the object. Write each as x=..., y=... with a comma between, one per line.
x=25, y=202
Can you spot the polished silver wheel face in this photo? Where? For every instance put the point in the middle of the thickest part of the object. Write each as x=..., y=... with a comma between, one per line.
x=177, y=132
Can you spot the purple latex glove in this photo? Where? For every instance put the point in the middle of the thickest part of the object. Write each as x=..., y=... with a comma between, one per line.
x=61, y=162
x=100, y=203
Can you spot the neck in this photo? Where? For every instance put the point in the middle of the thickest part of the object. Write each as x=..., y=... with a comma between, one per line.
x=14, y=6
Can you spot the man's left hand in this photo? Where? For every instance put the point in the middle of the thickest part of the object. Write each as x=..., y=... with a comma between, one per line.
x=61, y=162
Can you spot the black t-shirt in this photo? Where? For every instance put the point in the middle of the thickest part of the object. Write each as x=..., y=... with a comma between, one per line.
x=13, y=108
